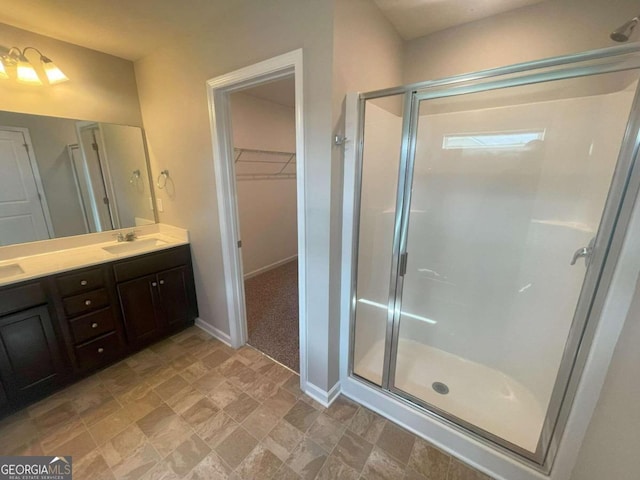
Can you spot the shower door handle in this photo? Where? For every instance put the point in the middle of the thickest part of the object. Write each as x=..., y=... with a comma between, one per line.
x=403, y=264
x=584, y=252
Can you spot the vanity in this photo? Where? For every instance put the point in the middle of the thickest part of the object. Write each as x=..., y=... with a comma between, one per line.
x=66, y=313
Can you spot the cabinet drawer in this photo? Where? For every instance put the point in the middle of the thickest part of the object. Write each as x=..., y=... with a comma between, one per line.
x=79, y=282
x=89, y=326
x=98, y=352
x=85, y=302
x=152, y=263
x=13, y=299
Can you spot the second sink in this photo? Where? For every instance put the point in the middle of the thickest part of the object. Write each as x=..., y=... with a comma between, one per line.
x=134, y=246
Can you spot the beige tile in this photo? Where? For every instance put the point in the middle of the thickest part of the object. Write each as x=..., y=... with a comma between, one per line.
x=194, y=371
x=183, y=361
x=326, y=432
x=168, y=349
x=224, y=394
x=250, y=354
x=292, y=385
x=209, y=383
x=139, y=406
x=165, y=429
x=260, y=422
x=99, y=412
x=301, y=415
x=241, y=407
x=342, y=409
x=367, y=424
x=353, y=450
x=187, y=455
x=187, y=399
x=160, y=471
x=212, y=467
x=215, y=359
x=241, y=376
x=137, y=465
x=200, y=412
x=30, y=448
x=397, y=442
x=109, y=427
x=16, y=431
x=54, y=418
x=123, y=445
x=280, y=375
x=262, y=388
x=260, y=464
x=93, y=466
x=121, y=379
x=381, y=466
x=334, y=469
x=428, y=461
x=63, y=433
x=280, y=402
x=145, y=363
x=285, y=473
x=77, y=447
x=171, y=387
x=307, y=459
x=216, y=429
x=236, y=447
x=460, y=471
x=161, y=375
x=310, y=401
x=47, y=404
x=283, y=439
x=262, y=364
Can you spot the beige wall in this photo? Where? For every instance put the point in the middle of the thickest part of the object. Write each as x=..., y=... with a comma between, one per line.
x=173, y=97
x=101, y=87
x=266, y=207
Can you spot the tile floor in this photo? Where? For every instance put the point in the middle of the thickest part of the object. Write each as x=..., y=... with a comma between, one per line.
x=190, y=407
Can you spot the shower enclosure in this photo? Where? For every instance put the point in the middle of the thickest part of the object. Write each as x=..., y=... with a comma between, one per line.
x=485, y=207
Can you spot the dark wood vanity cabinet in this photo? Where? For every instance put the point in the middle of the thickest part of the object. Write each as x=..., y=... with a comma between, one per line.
x=157, y=294
x=88, y=305
x=32, y=362
x=60, y=328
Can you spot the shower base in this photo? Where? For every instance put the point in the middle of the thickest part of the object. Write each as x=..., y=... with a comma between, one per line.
x=477, y=394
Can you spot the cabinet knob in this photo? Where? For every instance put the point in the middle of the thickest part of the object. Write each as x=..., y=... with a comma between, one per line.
x=94, y=325
x=83, y=282
x=100, y=350
x=154, y=284
x=161, y=282
x=87, y=302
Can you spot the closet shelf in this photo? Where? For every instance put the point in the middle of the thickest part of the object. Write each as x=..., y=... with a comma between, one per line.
x=252, y=164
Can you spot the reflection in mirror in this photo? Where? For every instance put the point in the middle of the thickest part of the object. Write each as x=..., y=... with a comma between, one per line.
x=61, y=177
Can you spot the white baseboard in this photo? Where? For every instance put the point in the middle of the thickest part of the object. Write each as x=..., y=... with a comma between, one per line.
x=213, y=331
x=269, y=267
x=323, y=397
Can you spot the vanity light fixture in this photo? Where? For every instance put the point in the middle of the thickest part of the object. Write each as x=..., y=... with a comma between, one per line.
x=25, y=72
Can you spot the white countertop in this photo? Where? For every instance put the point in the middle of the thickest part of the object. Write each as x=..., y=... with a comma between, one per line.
x=39, y=259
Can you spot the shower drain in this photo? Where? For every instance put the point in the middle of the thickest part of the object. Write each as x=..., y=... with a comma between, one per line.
x=440, y=388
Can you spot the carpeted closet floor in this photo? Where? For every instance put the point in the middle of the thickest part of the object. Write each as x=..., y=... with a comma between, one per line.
x=272, y=313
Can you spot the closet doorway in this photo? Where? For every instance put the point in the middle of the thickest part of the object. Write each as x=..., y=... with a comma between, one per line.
x=264, y=140
x=258, y=139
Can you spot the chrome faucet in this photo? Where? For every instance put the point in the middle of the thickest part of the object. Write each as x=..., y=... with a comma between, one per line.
x=126, y=237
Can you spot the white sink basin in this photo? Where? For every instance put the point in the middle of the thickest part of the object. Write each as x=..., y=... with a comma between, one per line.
x=134, y=246
x=10, y=270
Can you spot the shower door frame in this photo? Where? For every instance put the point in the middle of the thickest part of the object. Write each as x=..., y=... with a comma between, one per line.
x=613, y=224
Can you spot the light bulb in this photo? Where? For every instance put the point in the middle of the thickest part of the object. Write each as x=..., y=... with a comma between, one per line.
x=54, y=74
x=26, y=73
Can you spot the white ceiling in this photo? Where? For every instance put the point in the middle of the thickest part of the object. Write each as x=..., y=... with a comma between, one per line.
x=416, y=18
x=132, y=29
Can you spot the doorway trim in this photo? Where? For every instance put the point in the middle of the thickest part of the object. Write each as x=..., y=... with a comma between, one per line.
x=219, y=90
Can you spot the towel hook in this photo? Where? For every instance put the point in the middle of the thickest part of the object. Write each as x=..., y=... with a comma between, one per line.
x=164, y=174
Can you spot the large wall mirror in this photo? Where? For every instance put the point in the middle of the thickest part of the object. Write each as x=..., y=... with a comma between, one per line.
x=61, y=177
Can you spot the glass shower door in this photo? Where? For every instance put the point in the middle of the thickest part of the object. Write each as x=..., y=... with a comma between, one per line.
x=508, y=188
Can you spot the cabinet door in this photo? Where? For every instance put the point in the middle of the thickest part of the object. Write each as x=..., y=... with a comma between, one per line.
x=30, y=358
x=138, y=300
x=173, y=296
